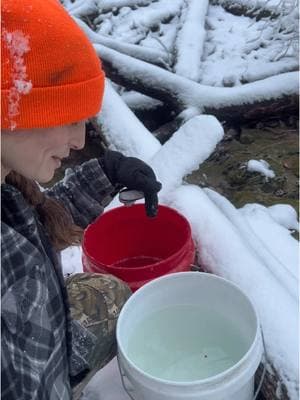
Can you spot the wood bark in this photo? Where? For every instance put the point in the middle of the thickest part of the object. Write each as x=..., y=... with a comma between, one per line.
x=279, y=108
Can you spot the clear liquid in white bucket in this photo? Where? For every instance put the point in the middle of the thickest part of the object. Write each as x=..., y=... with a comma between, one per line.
x=185, y=343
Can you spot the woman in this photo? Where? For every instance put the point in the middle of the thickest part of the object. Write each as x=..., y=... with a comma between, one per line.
x=55, y=335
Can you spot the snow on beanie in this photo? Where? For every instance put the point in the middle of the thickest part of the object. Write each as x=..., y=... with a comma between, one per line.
x=50, y=73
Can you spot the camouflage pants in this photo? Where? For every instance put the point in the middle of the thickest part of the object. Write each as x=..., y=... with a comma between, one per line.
x=95, y=302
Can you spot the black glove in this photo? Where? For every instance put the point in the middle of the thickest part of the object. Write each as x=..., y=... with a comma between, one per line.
x=134, y=174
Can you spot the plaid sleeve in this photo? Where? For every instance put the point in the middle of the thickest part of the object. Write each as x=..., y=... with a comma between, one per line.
x=85, y=191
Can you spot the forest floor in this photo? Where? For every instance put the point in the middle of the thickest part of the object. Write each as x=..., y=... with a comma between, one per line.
x=225, y=170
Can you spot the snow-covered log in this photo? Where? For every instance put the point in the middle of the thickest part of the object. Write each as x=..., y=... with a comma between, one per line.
x=157, y=12
x=190, y=40
x=180, y=93
x=277, y=309
x=82, y=7
x=197, y=138
x=66, y=3
x=165, y=131
x=137, y=101
x=281, y=272
x=250, y=8
x=150, y=55
x=109, y=5
x=122, y=128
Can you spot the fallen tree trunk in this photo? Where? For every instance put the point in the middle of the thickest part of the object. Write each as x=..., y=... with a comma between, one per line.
x=266, y=96
x=122, y=129
x=190, y=40
x=279, y=108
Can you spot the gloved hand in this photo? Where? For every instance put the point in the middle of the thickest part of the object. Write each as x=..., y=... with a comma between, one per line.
x=134, y=174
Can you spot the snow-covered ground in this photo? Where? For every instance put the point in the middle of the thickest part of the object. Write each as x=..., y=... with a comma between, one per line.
x=251, y=246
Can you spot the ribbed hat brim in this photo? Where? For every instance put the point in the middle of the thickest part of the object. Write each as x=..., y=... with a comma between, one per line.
x=55, y=105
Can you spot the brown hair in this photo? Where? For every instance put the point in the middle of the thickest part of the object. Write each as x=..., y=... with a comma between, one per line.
x=53, y=215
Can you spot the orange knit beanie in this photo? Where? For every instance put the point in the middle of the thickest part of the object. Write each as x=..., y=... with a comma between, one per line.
x=50, y=73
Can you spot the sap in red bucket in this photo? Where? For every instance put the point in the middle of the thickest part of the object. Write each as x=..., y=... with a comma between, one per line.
x=126, y=243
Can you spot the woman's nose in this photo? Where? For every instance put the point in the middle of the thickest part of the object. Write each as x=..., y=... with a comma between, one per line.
x=77, y=137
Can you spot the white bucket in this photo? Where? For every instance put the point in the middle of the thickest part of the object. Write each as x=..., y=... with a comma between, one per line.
x=189, y=335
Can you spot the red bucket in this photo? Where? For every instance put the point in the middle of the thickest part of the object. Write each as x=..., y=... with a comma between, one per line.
x=126, y=243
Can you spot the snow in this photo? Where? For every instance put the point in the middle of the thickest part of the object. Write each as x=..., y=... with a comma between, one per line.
x=71, y=260
x=224, y=251
x=229, y=36
x=138, y=101
x=270, y=4
x=156, y=12
x=131, y=26
x=275, y=236
x=284, y=215
x=100, y=387
x=17, y=44
x=192, y=94
x=150, y=54
x=261, y=166
x=139, y=141
x=198, y=138
x=251, y=246
x=82, y=7
x=247, y=246
x=187, y=47
x=232, y=50
x=107, y=5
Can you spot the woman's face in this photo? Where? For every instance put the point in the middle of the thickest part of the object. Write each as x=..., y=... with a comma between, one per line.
x=37, y=153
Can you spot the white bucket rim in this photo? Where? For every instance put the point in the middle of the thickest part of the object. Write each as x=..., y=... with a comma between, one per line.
x=215, y=378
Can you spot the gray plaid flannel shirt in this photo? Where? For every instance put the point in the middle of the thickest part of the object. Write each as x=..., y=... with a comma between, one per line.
x=41, y=346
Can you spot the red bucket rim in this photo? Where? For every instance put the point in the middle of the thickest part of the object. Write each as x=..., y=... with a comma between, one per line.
x=145, y=267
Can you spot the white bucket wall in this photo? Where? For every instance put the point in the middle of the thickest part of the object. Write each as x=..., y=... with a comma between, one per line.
x=191, y=288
